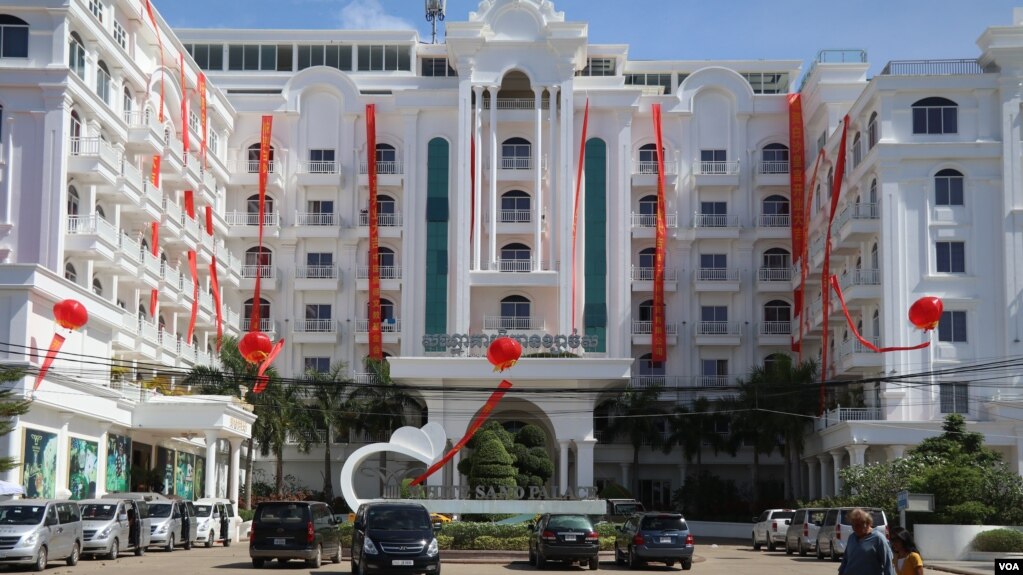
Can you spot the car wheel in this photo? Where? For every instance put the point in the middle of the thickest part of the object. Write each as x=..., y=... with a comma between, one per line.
x=756, y=545
x=834, y=556
x=532, y=557
x=76, y=552
x=594, y=563
x=317, y=559
x=619, y=557
x=336, y=557
x=634, y=562
x=687, y=564
x=170, y=543
x=257, y=562
x=541, y=561
x=209, y=540
x=802, y=549
x=788, y=550
x=820, y=555
x=771, y=546
x=41, y=560
x=115, y=548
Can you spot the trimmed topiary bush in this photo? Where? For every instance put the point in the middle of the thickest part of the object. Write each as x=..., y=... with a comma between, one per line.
x=999, y=541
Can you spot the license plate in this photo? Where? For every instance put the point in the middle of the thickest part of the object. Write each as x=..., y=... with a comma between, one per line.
x=665, y=539
x=402, y=562
x=569, y=537
x=278, y=541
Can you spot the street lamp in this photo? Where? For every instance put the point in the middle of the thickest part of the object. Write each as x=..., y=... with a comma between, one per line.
x=435, y=12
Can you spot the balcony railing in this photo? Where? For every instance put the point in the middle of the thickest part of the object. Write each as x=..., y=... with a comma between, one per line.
x=766, y=274
x=840, y=414
x=95, y=147
x=670, y=168
x=264, y=271
x=851, y=346
x=717, y=275
x=86, y=225
x=713, y=380
x=513, y=322
x=515, y=216
x=516, y=163
x=395, y=167
x=387, y=325
x=773, y=168
x=385, y=220
x=316, y=272
x=954, y=67
x=317, y=167
x=516, y=265
x=270, y=218
x=715, y=221
x=252, y=166
x=858, y=211
x=647, y=328
x=775, y=328
x=315, y=219
x=315, y=326
x=647, y=274
x=517, y=104
x=266, y=325
x=650, y=220
x=861, y=277
x=139, y=119
x=717, y=328
x=774, y=221
x=716, y=168
x=386, y=272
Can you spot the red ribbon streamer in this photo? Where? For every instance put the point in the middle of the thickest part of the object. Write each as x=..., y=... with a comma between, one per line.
x=154, y=176
x=153, y=294
x=376, y=339
x=51, y=354
x=262, y=380
x=658, y=329
x=478, y=422
x=797, y=173
x=836, y=190
x=216, y=301
x=190, y=203
x=149, y=10
x=195, y=294
x=264, y=170
x=852, y=326
x=209, y=220
x=575, y=211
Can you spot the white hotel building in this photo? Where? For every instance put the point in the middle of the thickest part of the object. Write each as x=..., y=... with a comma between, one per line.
x=478, y=144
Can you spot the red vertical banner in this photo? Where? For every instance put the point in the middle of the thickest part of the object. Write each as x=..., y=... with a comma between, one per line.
x=264, y=170
x=193, y=268
x=184, y=106
x=797, y=174
x=658, y=329
x=154, y=176
x=190, y=203
x=202, y=117
x=836, y=190
x=376, y=338
x=575, y=210
x=159, y=41
x=156, y=251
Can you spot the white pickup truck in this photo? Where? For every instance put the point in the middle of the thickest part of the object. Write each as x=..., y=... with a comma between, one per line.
x=770, y=527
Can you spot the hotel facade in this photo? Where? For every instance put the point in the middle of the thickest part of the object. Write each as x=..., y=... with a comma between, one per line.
x=478, y=164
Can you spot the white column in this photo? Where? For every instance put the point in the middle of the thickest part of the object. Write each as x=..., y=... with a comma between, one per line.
x=8, y=176
x=477, y=129
x=233, y=470
x=463, y=249
x=584, y=462
x=552, y=168
x=563, y=465
x=625, y=474
x=492, y=90
x=414, y=267
x=63, y=447
x=211, y=464
x=813, y=476
x=836, y=457
x=824, y=460
x=564, y=194
x=537, y=183
x=856, y=454
x=101, y=465
x=895, y=452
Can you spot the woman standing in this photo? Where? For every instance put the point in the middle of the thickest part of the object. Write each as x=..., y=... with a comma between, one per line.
x=907, y=556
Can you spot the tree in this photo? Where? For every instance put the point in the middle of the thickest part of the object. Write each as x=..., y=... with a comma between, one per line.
x=492, y=465
x=10, y=407
x=692, y=427
x=488, y=429
x=334, y=410
x=634, y=415
x=532, y=460
x=382, y=406
x=280, y=412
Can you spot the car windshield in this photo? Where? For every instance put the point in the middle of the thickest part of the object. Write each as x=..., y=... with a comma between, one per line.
x=22, y=514
x=204, y=510
x=98, y=511
x=662, y=523
x=783, y=514
x=569, y=522
x=159, y=509
x=281, y=513
x=398, y=519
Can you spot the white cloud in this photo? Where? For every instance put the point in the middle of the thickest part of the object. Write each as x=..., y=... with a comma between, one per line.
x=370, y=15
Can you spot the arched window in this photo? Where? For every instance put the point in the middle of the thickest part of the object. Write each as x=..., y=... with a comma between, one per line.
x=857, y=150
x=948, y=188
x=647, y=366
x=777, y=315
x=101, y=213
x=142, y=311
x=252, y=209
x=387, y=318
x=648, y=159
x=873, y=131
x=386, y=153
x=773, y=360
x=127, y=102
x=515, y=207
x=75, y=132
x=515, y=154
x=648, y=211
x=97, y=287
x=76, y=55
x=516, y=258
x=817, y=198
x=774, y=159
x=515, y=312
x=872, y=196
x=253, y=157
x=264, y=313
x=646, y=264
x=646, y=311
x=73, y=201
x=859, y=263
x=777, y=259
x=874, y=263
x=70, y=274
x=386, y=205
x=387, y=262
x=775, y=211
x=831, y=182
x=935, y=116
x=103, y=81
x=13, y=37
x=258, y=259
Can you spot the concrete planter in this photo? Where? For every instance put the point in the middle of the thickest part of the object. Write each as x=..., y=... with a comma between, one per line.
x=243, y=531
x=949, y=542
x=989, y=557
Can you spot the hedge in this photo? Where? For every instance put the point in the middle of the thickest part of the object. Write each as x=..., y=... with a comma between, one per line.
x=465, y=535
x=999, y=541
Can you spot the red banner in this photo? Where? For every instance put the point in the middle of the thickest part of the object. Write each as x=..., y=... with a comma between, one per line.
x=835, y=191
x=797, y=174
x=185, y=129
x=195, y=294
x=153, y=294
x=215, y=284
x=658, y=329
x=159, y=41
x=262, y=380
x=209, y=220
x=190, y=203
x=575, y=211
x=51, y=354
x=852, y=325
x=264, y=170
x=154, y=176
x=478, y=422
x=202, y=117
x=376, y=338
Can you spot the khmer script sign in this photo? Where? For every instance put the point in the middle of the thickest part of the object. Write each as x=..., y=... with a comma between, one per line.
x=548, y=343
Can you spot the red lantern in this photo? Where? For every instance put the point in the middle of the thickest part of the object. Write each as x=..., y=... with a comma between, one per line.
x=504, y=352
x=925, y=313
x=255, y=346
x=70, y=314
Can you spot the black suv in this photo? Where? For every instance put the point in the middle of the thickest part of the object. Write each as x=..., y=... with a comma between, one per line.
x=284, y=530
x=654, y=536
x=394, y=538
x=564, y=537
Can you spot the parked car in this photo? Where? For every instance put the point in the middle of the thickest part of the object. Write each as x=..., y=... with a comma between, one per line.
x=564, y=537
x=213, y=523
x=654, y=536
x=111, y=526
x=170, y=524
x=802, y=532
x=396, y=537
x=34, y=531
x=285, y=530
x=232, y=518
x=770, y=527
x=836, y=529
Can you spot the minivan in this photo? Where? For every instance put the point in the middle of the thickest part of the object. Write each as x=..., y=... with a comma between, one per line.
x=394, y=537
x=801, y=535
x=170, y=524
x=215, y=521
x=111, y=526
x=285, y=530
x=836, y=529
x=33, y=531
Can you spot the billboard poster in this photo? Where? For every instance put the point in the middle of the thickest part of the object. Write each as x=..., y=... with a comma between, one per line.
x=199, y=479
x=39, y=464
x=83, y=466
x=184, y=475
x=165, y=467
x=118, y=463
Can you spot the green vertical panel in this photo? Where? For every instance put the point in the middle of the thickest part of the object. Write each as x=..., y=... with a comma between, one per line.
x=595, y=262
x=436, y=281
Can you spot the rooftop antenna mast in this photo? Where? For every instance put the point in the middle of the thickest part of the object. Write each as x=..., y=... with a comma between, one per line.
x=435, y=12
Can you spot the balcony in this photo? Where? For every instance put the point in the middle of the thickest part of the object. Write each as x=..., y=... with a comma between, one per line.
x=713, y=380
x=315, y=331
x=145, y=135
x=517, y=323
x=266, y=325
x=518, y=265
x=246, y=173
x=716, y=226
x=774, y=333
x=717, y=279
x=514, y=216
x=94, y=161
x=774, y=221
x=390, y=277
x=644, y=174
x=517, y=103
x=855, y=223
x=267, y=276
x=317, y=277
x=645, y=225
x=316, y=219
x=954, y=67
x=716, y=173
x=319, y=173
x=718, y=333
x=774, y=279
x=389, y=174
x=771, y=174
x=389, y=327
x=643, y=279
x=129, y=187
x=841, y=414
x=384, y=220
x=855, y=357
x=642, y=332
x=246, y=224
x=860, y=286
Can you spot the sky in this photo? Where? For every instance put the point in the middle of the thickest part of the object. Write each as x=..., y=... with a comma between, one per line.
x=665, y=29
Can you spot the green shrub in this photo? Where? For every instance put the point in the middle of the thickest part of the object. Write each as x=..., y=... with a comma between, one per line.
x=246, y=514
x=445, y=541
x=999, y=541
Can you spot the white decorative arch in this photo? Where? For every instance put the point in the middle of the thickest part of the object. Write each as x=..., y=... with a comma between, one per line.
x=716, y=78
x=424, y=444
x=322, y=78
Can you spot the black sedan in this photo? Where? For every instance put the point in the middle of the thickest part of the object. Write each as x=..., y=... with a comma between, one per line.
x=564, y=537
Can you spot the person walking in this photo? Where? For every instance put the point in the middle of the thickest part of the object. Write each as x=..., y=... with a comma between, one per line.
x=907, y=556
x=867, y=552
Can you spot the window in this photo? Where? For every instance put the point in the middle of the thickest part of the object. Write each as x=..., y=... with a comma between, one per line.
x=948, y=188
x=321, y=162
x=955, y=397
x=952, y=327
x=649, y=367
x=317, y=364
x=207, y=56
x=935, y=116
x=774, y=159
x=386, y=205
x=127, y=102
x=13, y=37
x=777, y=259
x=647, y=211
x=515, y=312
x=663, y=80
x=70, y=274
x=646, y=263
x=515, y=207
x=253, y=154
x=76, y=55
x=775, y=211
x=768, y=82
x=875, y=259
x=387, y=159
x=320, y=206
x=386, y=260
x=598, y=67
x=713, y=214
x=778, y=311
x=646, y=311
x=96, y=7
x=120, y=36
x=875, y=323
x=714, y=372
x=656, y=493
x=713, y=161
x=951, y=257
x=387, y=314
x=648, y=159
x=873, y=132
x=264, y=311
x=515, y=258
x=317, y=316
x=265, y=57
x=437, y=67
x=713, y=267
x=97, y=287
x=103, y=81
x=252, y=209
x=259, y=256
x=319, y=259
x=388, y=58
x=334, y=56
x=857, y=150
x=515, y=154
x=714, y=313
x=73, y=201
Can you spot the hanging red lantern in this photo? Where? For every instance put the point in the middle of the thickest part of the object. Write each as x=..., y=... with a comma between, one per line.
x=70, y=314
x=255, y=346
x=504, y=352
x=925, y=313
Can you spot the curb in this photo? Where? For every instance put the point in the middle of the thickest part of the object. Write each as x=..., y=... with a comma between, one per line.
x=957, y=570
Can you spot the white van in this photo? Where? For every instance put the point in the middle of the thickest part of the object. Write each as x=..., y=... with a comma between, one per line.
x=33, y=531
x=111, y=526
x=216, y=518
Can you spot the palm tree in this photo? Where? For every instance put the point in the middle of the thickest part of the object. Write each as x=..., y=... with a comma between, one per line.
x=280, y=412
x=634, y=415
x=382, y=405
x=334, y=410
x=692, y=427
